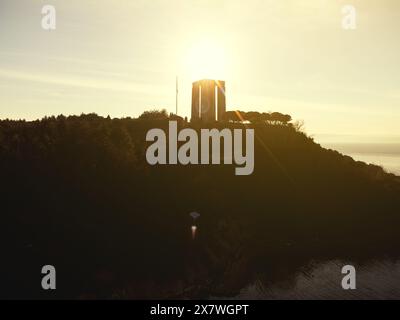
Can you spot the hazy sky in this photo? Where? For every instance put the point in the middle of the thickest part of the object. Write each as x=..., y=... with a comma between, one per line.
x=119, y=58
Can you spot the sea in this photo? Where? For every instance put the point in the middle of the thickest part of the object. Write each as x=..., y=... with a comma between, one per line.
x=386, y=155
x=376, y=280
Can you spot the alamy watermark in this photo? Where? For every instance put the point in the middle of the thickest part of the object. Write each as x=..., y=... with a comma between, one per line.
x=349, y=280
x=48, y=17
x=49, y=280
x=349, y=19
x=188, y=153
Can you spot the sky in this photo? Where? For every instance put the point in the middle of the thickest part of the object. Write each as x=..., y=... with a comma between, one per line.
x=122, y=57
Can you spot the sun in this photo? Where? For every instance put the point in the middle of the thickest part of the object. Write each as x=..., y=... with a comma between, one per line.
x=206, y=59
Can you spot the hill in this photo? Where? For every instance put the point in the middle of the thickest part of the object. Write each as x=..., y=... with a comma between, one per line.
x=78, y=193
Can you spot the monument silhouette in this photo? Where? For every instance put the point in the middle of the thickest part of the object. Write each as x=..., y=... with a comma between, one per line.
x=208, y=100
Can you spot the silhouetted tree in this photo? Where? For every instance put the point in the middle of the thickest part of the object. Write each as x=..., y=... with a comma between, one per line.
x=253, y=116
x=232, y=116
x=257, y=117
x=175, y=117
x=154, y=115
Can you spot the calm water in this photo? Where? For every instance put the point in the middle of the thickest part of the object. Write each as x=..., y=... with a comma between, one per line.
x=376, y=280
x=385, y=155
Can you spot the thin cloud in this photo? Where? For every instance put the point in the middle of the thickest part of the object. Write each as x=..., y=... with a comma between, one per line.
x=83, y=82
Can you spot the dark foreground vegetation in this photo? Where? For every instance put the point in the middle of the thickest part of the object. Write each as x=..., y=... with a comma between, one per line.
x=78, y=194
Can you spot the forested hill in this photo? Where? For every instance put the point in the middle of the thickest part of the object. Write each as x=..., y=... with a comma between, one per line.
x=77, y=192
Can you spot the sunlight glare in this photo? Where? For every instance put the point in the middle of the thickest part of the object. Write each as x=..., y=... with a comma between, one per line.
x=206, y=60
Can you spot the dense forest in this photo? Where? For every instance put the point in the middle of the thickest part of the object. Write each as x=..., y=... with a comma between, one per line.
x=77, y=193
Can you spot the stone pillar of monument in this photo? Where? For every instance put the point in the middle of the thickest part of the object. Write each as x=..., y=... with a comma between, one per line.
x=207, y=109
x=208, y=103
x=221, y=98
x=195, y=101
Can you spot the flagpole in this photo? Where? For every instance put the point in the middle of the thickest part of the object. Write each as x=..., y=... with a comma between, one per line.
x=176, y=101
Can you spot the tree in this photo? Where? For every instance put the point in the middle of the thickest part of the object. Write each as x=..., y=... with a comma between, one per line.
x=253, y=116
x=154, y=115
x=298, y=125
x=232, y=116
x=175, y=117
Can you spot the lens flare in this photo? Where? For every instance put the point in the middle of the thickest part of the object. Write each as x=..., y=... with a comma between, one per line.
x=194, y=229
